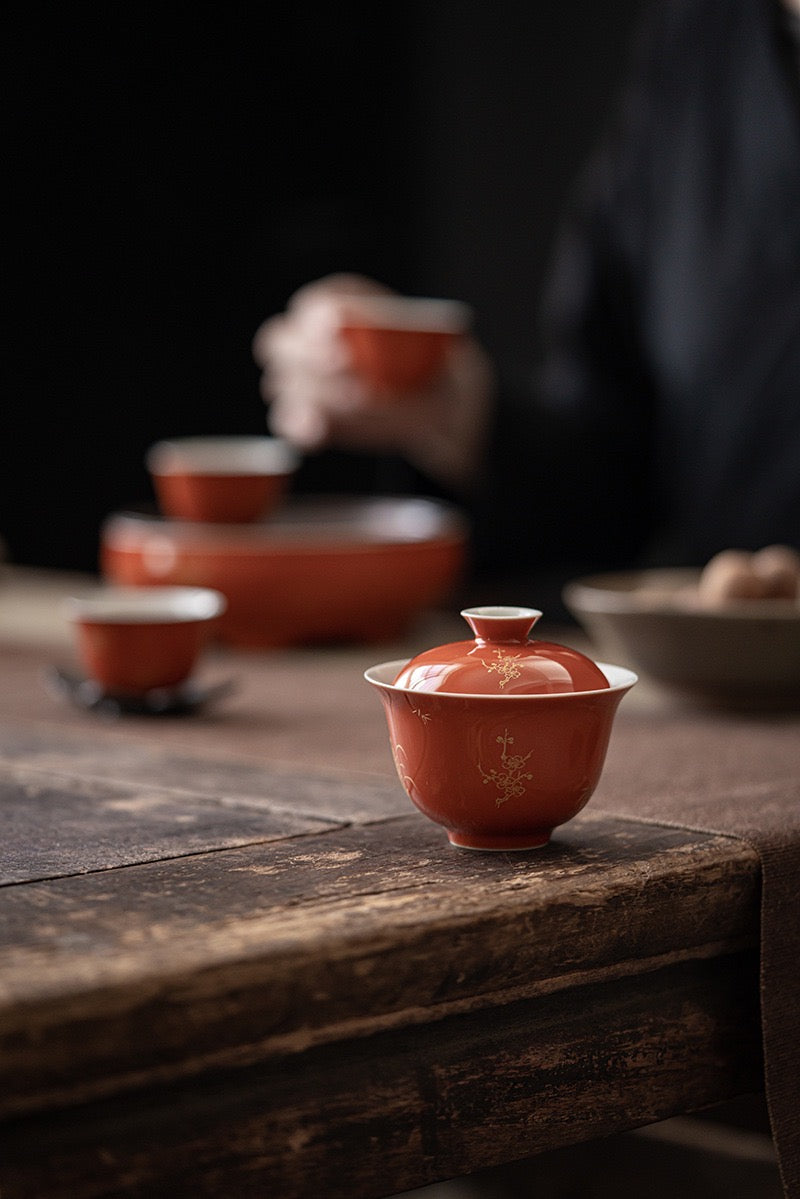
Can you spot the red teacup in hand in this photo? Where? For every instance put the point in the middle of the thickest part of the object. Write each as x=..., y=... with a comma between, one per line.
x=399, y=343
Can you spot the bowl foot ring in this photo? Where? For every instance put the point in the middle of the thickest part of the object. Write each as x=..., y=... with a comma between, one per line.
x=499, y=843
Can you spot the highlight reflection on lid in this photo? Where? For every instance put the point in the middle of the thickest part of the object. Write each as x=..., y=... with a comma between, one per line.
x=501, y=660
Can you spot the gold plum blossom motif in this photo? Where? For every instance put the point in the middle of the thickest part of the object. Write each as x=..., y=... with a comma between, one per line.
x=505, y=665
x=509, y=778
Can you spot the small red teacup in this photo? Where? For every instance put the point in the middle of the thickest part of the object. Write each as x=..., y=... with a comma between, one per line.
x=133, y=640
x=235, y=479
x=399, y=343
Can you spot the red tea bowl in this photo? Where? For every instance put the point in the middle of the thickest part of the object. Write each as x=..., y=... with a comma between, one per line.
x=220, y=479
x=321, y=570
x=500, y=769
x=133, y=640
x=399, y=343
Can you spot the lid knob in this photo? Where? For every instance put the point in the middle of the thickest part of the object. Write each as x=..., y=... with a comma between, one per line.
x=498, y=623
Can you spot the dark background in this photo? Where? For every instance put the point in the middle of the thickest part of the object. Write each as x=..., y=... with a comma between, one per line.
x=174, y=173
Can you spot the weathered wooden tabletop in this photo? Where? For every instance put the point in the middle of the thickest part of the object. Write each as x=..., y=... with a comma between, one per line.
x=234, y=960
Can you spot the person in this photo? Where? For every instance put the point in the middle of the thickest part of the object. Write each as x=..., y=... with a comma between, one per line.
x=661, y=421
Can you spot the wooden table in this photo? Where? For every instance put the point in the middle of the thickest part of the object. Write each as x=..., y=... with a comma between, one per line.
x=234, y=960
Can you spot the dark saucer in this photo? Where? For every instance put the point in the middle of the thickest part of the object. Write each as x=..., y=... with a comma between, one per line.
x=175, y=701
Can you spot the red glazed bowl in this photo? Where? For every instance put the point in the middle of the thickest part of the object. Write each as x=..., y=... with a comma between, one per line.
x=399, y=343
x=135, y=640
x=223, y=479
x=500, y=770
x=322, y=569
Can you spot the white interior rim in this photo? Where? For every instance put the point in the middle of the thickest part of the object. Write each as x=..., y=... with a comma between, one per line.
x=222, y=455
x=147, y=605
x=619, y=679
x=407, y=312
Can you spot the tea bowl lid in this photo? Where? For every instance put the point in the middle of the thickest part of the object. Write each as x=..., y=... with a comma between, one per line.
x=501, y=659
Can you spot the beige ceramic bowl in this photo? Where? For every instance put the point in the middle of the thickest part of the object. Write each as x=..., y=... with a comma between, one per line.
x=742, y=654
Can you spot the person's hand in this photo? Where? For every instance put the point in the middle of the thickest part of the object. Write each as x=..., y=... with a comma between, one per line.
x=316, y=399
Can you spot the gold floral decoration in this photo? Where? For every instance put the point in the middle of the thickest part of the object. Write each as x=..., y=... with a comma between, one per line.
x=509, y=778
x=505, y=665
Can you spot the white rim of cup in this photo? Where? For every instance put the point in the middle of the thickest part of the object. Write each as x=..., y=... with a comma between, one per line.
x=146, y=605
x=212, y=455
x=407, y=312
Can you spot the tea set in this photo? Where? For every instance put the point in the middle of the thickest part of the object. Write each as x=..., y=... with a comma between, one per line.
x=499, y=739
x=352, y=568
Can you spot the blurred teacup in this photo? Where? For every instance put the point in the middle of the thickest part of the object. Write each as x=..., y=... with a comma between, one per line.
x=236, y=479
x=399, y=343
x=132, y=640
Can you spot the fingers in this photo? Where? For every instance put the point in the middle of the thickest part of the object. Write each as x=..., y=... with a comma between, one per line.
x=340, y=393
x=305, y=361
x=308, y=332
x=310, y=410
x=316, y=399
x=308, y=340
x=332, y=286
x=350, y=426
x=315, y=309
x=302, y=425
x=306, y=377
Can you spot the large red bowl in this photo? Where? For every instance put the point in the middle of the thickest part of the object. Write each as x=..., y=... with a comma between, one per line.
x=321, y=569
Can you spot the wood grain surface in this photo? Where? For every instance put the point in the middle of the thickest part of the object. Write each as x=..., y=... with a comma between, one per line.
x=234, y=960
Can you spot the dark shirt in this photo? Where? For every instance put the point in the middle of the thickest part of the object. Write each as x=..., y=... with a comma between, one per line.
x=663, y=423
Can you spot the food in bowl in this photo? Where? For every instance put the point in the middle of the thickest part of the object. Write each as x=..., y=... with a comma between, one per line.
x=770, y=573
x=731, y=577
x=500, y=740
